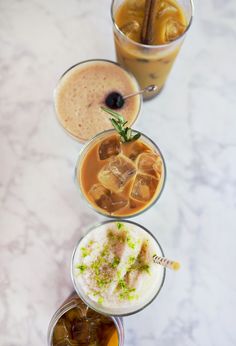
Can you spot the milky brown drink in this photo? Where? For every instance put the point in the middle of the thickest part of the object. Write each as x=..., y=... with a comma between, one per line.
x=120, y=179
x=84, y=88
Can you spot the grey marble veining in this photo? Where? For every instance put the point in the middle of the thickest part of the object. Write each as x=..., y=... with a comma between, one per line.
x=41, y=212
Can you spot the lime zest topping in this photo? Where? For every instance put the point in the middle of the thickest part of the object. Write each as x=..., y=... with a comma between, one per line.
x=85, y=251
x=145, y=267
x=110, y=235
x=81, y=267
x=131, y=260
x=116, y=262
x=100, y=300
x=118, y=274
x=130, y=243
x=119, y=225
x=125, y=290
x=94, y=293
x=103, y=282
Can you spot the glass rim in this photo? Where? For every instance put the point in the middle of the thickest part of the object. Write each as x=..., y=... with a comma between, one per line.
x=98, y=210
x=150, y=47
x=90, y=229
x=71, y=304
x=130, y=74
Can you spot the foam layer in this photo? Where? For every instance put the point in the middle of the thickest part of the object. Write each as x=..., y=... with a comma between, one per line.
x=113, y=269
x=83, y=90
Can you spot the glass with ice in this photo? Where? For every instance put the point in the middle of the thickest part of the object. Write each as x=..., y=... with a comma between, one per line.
x=75, y=324
x=113, y=270
x=150, y=62
x=120, y=179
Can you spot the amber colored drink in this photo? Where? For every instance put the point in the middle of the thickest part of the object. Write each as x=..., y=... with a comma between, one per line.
x=76, y=324
x=120, y=179
x=150, y=64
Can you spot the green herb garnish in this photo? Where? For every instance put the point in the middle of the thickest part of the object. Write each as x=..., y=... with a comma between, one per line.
x=115, y=262
x=81, y=267
x=85, y=251
x=100, y=300
x=130, y=243
x=119, y=122
x=131, y=260
x=119, y=225
x=125, y=290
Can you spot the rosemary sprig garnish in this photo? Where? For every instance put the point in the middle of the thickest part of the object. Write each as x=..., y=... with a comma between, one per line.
x=119, y=122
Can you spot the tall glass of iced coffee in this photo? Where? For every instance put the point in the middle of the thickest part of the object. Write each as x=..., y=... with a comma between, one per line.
x=148, y=35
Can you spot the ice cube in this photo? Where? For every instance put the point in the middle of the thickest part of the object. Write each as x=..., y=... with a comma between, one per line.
x=166, y=8
x=60, y=331
x=144, y=187
x=150, y=163
x=106, y=199
x=77, y=312
x=130, y=28
x=98, y=191
x=136, y=5
x=173, y=29
x=109, y=147
x=117, y=173
x=134, y=149
x=92, y=315
x=80, y=331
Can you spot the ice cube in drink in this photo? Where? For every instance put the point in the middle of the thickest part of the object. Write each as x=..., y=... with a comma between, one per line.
x=109, y=147
x=144, y=187
x=150, y=163
x=106, y=199
x=118, y=171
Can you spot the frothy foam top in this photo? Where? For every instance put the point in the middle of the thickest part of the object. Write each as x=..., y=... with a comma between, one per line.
x=113, y=268
x=82, y=91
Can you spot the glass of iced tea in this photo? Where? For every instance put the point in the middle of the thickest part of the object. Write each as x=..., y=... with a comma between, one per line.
x=75, y=324
x=150, y=63
x=120, y=179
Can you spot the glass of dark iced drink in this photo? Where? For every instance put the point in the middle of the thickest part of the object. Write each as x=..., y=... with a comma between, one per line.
x=75, y=324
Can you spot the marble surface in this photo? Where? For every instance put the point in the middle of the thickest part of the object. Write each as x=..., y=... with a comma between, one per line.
x=42, y=215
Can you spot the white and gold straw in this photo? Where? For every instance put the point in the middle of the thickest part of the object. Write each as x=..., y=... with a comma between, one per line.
x=165, y=262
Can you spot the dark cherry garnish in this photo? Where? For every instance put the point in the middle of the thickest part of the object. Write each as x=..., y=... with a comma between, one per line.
x=114, y=100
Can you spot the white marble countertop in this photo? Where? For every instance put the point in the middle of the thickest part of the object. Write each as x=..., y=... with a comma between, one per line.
x=42, y=215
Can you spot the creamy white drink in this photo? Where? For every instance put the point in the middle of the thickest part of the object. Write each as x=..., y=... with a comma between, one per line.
x=113, y=269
